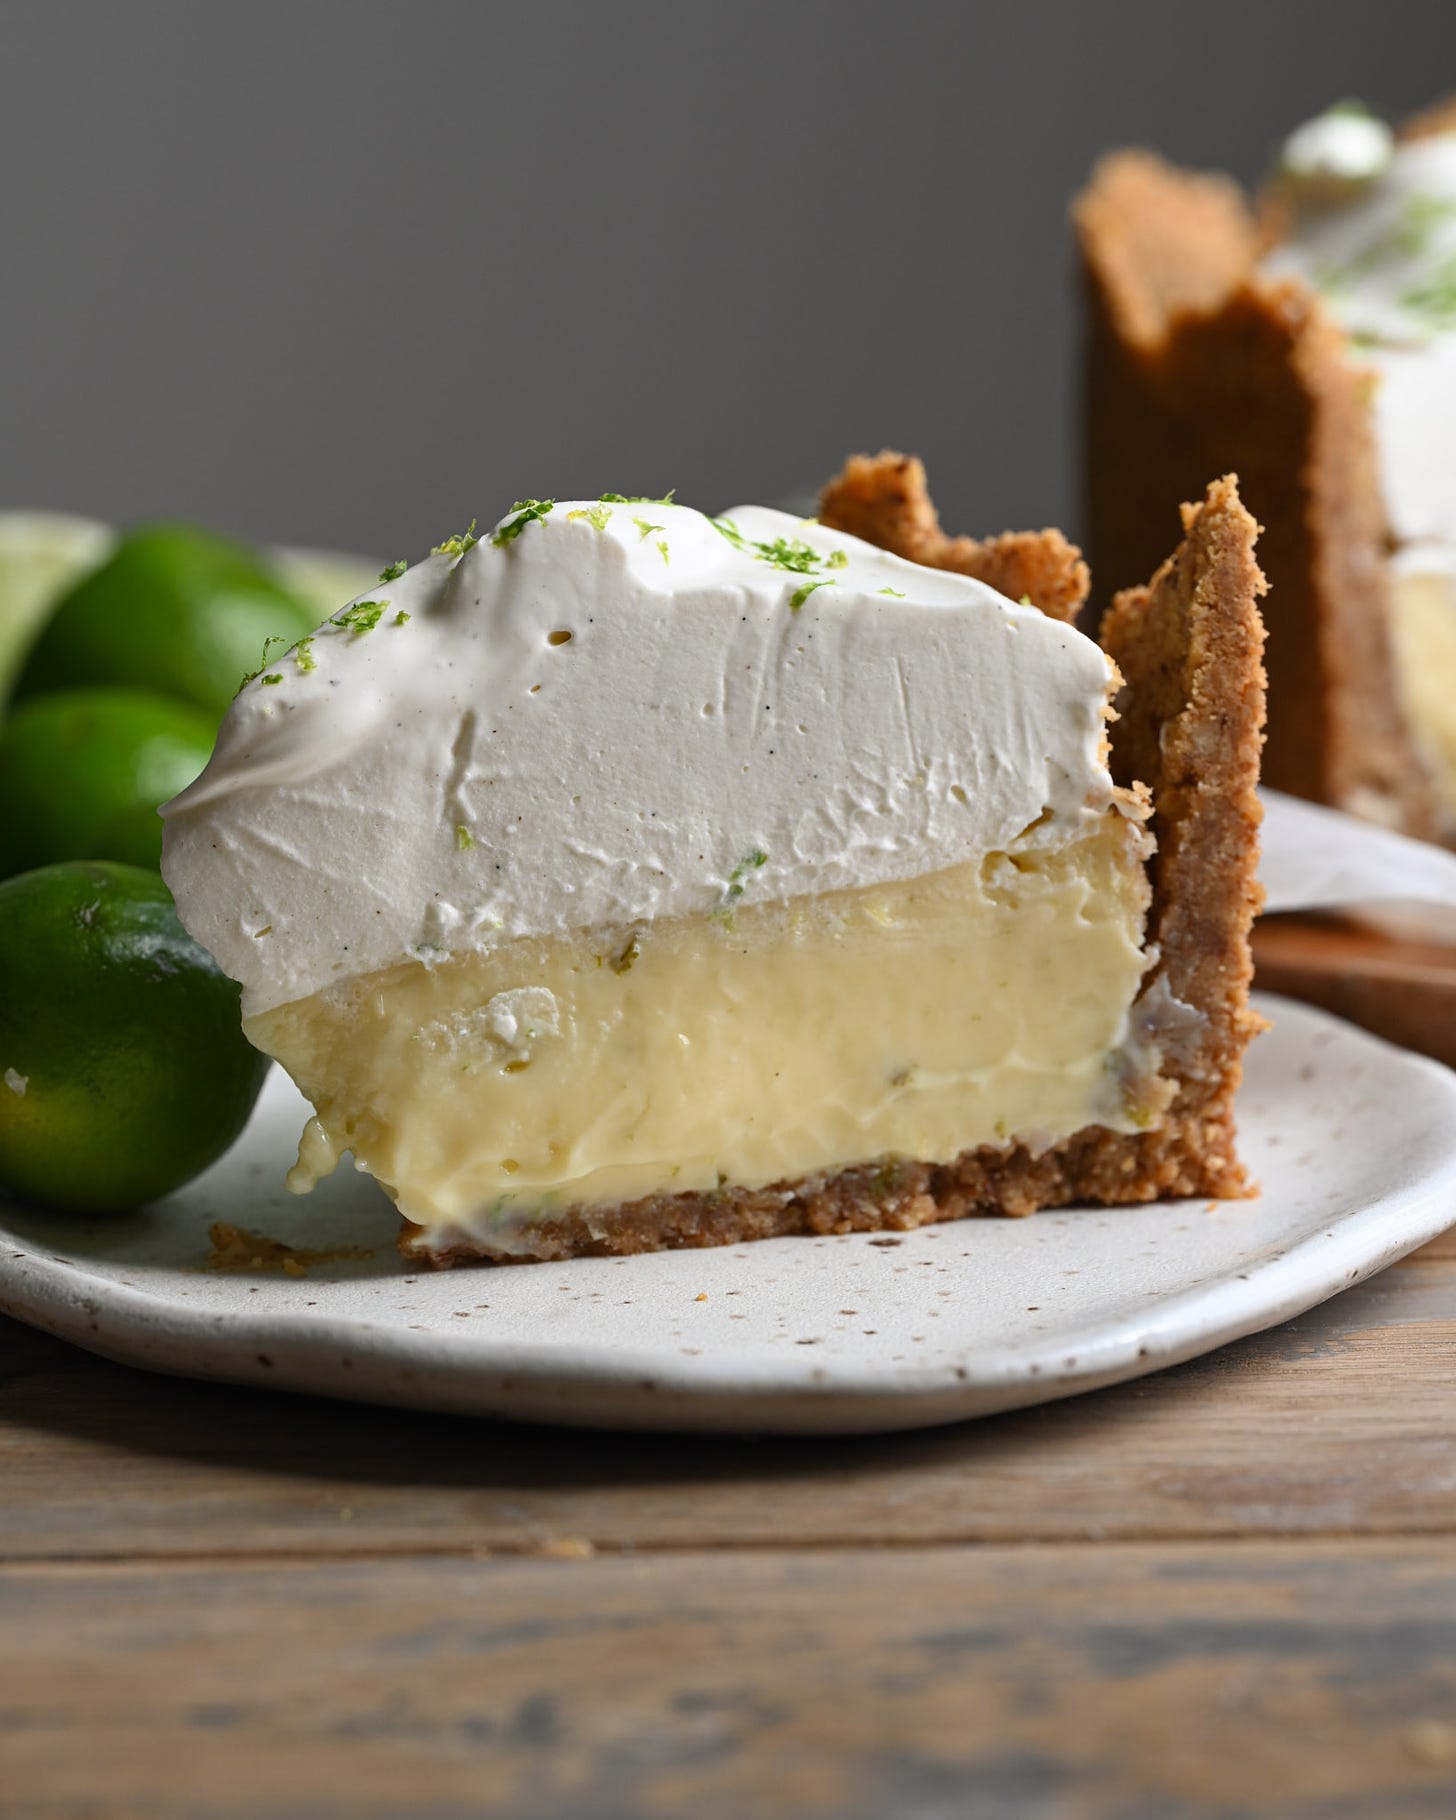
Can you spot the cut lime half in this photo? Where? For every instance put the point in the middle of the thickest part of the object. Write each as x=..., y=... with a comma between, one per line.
x=326, y=579
x=41, y=555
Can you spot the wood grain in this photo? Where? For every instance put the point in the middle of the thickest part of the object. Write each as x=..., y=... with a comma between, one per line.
x=1340, y=1421
x=1101, y=1683
x=1403, y=990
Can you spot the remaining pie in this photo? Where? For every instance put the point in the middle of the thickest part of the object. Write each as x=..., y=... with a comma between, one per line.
x=1308, y=341
x=630, y=878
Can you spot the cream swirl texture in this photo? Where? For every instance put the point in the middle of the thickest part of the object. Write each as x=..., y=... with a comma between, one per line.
x=611, y=711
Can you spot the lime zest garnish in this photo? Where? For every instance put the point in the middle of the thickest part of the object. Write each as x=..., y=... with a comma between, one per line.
x=1421, y=214
x=1434, y=297
x=894, y=592
x=598, y=517
x=394, y=571
x=645, y=530
x=636, y=499
x=801, y=594
x=737, y=882
x=837, y=559
x=789, y=553
x=303, y=656
x=528, y=511
x=401, y=618
x=463, y=838
x=363, y=616
x=1408, y=237
x=268, y=644
x=274, y=678
x=458, y=545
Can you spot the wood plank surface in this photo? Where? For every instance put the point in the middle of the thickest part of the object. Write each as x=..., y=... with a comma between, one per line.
x=1342, y=1420
x=1315, y=1681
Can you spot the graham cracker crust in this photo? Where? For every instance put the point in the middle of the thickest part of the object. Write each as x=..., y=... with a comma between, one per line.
x=1195, y=364
x=884, y=500
x=1189, y=729
x=1440, y=117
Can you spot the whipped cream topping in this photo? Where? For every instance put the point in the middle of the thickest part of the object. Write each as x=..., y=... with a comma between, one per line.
x=1382, y=250
x=1345, y=144
x=608, y=712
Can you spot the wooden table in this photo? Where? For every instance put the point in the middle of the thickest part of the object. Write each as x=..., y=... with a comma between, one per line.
x=1226, y=1591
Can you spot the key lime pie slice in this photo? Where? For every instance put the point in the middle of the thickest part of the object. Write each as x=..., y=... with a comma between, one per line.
x=1308, y=340
x=630, y=878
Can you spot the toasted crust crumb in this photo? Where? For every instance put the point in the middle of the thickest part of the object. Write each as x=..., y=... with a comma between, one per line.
x=885, y=500
x=1431, y=121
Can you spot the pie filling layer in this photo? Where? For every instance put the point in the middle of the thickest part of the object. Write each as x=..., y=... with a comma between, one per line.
x=1425, y=642
x=979, y=1005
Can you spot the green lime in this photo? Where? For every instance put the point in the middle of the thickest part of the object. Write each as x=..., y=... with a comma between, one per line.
x=41, y=555
x=83, y=771
x=174, y=610
x=124, y=1071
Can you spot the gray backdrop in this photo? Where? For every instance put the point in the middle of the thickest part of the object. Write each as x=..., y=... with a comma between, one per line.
x=349, y=273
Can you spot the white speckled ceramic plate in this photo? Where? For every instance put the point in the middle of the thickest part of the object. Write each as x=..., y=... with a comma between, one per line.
x=1355, y=1143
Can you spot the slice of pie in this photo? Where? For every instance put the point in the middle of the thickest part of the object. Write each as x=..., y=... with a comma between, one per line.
x=1307, y=340
x=631, y=878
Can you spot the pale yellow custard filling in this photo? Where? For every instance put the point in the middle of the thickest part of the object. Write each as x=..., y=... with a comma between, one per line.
x=754, y=1045
x=1425, y=644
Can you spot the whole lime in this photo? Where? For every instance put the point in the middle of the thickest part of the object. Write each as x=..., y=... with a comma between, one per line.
x=124, y=1071
x=173, y=610
x=83, y=771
